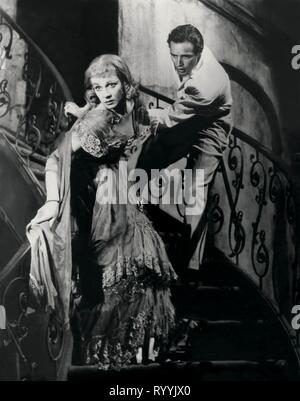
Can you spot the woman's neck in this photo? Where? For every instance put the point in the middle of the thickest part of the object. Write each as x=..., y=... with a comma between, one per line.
x=121, y=108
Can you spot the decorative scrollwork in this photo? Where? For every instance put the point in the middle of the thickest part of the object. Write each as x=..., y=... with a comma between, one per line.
x=33, y=134
x=259, y=252
x=236, y=232
x=16, y=311
x=22, y=330
x=7, y=37
x=41, y=119
x=158, y=186
x=151, y=105
x=32, y=75
x=282, y=196
x=276, y=189
x=55, y=337
x=258, y=179
x=260, y=256
x=237, y=235
x=236, y=164
x=215, y=214
x=50, y=124
x=5, y=100
x=28, y=133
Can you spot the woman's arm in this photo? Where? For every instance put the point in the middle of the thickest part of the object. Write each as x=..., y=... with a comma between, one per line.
x=49, y=211
x=51, y=180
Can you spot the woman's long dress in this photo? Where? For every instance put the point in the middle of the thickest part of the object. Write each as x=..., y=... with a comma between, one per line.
x=125, y=270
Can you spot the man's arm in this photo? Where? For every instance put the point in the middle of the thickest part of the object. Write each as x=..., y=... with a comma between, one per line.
x=192, y=103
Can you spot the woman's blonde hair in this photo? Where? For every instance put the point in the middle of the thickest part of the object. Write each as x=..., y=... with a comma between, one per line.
x=111, y=63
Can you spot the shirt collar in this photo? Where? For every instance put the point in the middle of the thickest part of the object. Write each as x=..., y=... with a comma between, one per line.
x=180, y=84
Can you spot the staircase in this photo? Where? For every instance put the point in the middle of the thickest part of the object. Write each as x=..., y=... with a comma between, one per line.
x=33, y=344
x=226, y=331
x=232, y=330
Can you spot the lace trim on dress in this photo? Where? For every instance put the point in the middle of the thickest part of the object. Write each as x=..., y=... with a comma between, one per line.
x=149, y=312
x=101, y=143
x=139, y=266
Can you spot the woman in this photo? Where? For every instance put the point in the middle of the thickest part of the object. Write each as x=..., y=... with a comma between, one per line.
x=125, y=273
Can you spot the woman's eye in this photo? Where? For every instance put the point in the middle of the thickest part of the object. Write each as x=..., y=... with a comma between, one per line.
x=112, y=85
x=97, y=88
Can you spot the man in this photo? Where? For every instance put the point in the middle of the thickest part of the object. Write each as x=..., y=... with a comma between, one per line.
x=198, y=123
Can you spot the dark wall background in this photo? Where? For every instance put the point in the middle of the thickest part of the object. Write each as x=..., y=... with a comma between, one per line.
x=283, y=16
x=71, y=33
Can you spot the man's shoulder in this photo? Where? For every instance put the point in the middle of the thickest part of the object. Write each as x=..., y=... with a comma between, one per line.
x=209, y=65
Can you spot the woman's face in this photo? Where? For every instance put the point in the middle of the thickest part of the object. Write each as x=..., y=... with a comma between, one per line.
x=108, y=89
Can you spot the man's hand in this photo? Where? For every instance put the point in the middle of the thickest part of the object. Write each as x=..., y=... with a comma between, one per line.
x=73, y=109
x=90, y=97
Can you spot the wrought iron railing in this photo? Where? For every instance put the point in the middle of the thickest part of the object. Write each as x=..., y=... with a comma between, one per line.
x=252, y=215
x=32, y=96
x=34, y=339
x=32, y=92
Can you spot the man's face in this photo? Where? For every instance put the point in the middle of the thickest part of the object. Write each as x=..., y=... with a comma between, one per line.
x=183, y=57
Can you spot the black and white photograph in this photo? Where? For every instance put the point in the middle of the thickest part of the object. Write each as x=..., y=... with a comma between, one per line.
x=150, y=193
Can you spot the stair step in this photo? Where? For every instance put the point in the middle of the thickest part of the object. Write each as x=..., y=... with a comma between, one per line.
x=40, y=159
x=190, y=328
x=280, y=363
x=36, y=162
x=40, y=174
x=217, y=303
x=12, y=139
x=221, y=323
x=210, y=289
x=26, y=149
x=178, y=369
x=226, y=339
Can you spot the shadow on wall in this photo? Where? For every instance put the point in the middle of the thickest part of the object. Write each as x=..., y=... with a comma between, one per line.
x=282, y=19
x=71, y=33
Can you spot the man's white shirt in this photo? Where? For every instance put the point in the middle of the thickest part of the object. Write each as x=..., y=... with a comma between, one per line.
x=205, y=92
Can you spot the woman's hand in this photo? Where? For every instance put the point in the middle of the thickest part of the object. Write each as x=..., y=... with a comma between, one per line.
x=48, y=212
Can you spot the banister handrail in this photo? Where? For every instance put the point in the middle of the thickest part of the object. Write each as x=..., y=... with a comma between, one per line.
x=238, y=133
x=153, y=93
x=15, y=260
x=49, y=63
x=265, y=151
x=30, y=175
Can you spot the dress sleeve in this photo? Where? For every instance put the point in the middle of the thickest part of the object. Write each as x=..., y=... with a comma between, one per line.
x=89, y=141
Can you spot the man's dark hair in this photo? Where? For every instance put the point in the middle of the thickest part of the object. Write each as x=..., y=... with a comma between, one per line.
x=189, y=33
